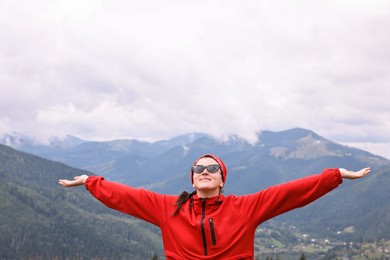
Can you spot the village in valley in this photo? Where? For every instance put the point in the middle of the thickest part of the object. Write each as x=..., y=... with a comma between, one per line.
x=288, y=242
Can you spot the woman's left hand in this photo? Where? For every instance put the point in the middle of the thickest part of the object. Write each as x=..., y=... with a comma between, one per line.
x=351, y=175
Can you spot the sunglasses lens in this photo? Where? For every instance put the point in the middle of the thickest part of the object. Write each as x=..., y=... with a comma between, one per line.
x=198, y=168
x=212, y=168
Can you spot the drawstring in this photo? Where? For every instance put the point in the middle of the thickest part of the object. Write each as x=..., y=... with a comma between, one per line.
x=219, y=194
x=217, y=201
x=191, y=200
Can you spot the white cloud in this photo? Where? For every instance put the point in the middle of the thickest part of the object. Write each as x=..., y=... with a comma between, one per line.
x=153, y=69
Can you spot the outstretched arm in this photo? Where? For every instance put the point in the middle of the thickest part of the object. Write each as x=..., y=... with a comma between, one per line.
x=351, y=175
x=77, y=181
x=281, y=198
x=138, y=202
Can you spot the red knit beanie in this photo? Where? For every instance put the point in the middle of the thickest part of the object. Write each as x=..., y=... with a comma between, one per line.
x=218, y=160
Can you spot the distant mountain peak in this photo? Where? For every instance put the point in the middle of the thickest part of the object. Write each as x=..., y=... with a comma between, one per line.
x=307, y=147
x=297, y=143
x=18, y=140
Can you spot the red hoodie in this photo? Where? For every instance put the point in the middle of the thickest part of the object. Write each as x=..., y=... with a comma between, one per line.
x=222, y=227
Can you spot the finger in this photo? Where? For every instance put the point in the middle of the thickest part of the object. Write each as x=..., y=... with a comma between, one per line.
x=62, y=182
x=363, y=172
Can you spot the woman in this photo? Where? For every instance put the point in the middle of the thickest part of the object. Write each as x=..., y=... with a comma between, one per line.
x=206, y=224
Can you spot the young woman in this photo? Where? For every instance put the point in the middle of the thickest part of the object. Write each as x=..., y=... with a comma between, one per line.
x=206, y=224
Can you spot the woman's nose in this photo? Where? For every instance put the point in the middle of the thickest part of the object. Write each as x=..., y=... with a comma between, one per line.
x=205, y=171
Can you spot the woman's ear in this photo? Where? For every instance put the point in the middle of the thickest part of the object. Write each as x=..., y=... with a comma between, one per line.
x=221, y=185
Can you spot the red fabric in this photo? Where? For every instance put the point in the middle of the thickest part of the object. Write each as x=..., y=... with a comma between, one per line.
x=229, y=223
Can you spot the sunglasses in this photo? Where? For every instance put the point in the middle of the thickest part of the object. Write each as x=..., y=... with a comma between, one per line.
x=210, y=168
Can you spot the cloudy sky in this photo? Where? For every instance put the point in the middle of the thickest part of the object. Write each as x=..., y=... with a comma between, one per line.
x=153, y=69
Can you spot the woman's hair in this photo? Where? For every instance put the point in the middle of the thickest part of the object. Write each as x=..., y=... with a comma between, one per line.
x=183, y=197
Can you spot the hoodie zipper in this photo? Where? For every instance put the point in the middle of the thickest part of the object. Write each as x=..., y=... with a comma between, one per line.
x=213, y=239
x=202, y=226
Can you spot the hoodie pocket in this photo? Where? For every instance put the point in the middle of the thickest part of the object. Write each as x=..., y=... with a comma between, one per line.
x=212, y=230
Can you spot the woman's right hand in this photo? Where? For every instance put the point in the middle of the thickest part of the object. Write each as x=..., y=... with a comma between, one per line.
x=77, y=181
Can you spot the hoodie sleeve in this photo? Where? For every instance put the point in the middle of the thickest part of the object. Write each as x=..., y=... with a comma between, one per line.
x=140, y=203
x=279, y=199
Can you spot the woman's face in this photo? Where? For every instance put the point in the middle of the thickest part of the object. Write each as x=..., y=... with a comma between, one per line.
x=207, y=184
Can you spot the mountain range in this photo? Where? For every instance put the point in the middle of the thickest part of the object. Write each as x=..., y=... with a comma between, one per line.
x=164, y=166
x=30, y=195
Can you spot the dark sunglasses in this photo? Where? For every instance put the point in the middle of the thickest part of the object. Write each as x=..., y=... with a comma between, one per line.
x=211, y=168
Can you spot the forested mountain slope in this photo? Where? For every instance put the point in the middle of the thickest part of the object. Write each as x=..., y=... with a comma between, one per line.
x=42, y=219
